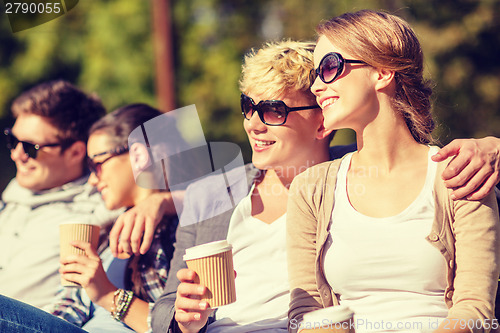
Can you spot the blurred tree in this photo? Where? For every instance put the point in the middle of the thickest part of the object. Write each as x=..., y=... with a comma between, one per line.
x=461, y=41
x=102, y=46
x=211, y=38
x=105, y=46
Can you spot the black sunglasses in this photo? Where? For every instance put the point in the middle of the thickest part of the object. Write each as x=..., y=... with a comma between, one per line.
x=95, y=167
x=29, y=148
x=271, y=112
x=332, y=66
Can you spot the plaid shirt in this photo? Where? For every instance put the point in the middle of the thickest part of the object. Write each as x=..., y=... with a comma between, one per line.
x=73, y=304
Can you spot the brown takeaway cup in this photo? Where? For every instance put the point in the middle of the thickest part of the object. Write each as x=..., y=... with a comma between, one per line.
x=334, y=319
x=213, y=262
x=76, y=232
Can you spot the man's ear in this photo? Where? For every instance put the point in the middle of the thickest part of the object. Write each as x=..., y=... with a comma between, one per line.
x=384, y=78
x=76, y=153
x=139, y=157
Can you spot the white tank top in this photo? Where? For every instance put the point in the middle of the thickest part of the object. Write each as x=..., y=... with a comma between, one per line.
x=383, y=268
x=262, y=290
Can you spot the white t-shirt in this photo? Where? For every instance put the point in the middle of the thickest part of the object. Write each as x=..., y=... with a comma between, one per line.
x=383, y=268
x=262, y=290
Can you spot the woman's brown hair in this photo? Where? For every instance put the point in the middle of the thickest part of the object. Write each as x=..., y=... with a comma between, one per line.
x=386, y=41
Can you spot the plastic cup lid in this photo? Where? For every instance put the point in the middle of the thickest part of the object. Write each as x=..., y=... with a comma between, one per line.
x=208, y=249
x=333, y=314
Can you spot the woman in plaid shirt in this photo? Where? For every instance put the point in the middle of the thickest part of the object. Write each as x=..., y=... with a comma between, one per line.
x=110, y=302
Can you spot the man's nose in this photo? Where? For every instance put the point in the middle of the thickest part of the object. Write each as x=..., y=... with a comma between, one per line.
x=18, y=153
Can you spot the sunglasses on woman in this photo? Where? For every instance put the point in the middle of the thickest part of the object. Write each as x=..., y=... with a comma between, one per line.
x=332, y=66
x=271, y=112
x=30, y=149
x=95, y=167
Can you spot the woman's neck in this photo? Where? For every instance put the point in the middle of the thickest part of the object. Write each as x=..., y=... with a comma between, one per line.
x=386, y=143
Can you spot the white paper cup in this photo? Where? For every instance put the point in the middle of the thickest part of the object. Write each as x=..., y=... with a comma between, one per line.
x=334, y=319
x=69, y=232
x=213, y=262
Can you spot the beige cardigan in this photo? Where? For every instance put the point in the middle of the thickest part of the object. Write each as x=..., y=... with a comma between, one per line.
x=467, y=233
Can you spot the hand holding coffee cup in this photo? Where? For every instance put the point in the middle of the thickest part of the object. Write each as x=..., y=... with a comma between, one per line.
x=213, y=264
x=191, y=313
x=70, y=232
x=333, y=319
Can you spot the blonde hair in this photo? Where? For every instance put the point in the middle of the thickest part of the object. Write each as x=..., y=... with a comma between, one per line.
x=278, y=68
x=386, y=41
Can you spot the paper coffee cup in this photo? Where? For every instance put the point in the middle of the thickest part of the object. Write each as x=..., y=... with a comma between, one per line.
x=213, y=262
x=69, y=232
x=334, y=319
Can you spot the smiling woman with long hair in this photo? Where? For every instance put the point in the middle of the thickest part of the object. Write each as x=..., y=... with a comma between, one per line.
x=378, y=230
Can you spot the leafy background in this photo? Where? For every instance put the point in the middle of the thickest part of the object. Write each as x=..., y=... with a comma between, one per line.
x=107, y=47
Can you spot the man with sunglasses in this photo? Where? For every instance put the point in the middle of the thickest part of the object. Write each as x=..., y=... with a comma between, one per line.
x=48, y=145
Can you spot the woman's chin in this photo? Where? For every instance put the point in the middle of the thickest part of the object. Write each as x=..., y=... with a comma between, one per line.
x=111, y=205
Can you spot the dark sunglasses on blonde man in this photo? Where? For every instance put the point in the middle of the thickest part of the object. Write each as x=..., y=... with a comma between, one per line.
x=271, y=112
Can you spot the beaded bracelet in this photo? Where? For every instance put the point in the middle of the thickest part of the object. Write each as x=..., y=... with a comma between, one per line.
x=126, y=305
x=117, y=298
x=121, y=302
x=118, y=315
x=114, y=301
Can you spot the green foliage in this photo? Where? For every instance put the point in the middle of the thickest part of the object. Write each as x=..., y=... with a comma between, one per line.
x=461, y=42
x=102, y=46
x=106, y=47
x=211, y=39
